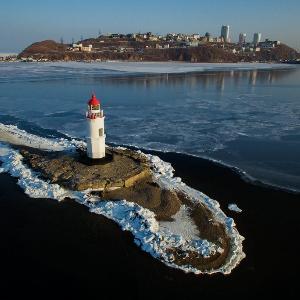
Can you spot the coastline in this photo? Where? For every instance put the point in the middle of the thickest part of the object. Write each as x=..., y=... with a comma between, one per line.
x=105, y=252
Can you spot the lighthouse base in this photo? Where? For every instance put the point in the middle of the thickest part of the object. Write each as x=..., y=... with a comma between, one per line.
x=95, y=148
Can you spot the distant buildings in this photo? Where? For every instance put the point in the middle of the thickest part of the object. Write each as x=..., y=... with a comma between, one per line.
x=256, y=38
x=80, y=47
x=225, y=33
x=267, y=44
x=8, y=57
x=242, y=38
x=140, y=42
x=193, y=43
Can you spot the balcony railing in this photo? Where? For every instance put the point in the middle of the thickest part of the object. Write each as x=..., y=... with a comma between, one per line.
x=91, y=115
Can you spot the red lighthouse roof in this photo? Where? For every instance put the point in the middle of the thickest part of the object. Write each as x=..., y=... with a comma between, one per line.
x=94, y=101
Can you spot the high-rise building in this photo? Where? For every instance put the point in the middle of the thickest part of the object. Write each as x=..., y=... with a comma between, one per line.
x=225, y=33
x=256, y=38
x=242, y=38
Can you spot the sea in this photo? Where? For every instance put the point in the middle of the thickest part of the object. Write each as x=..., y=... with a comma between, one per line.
x=246, y=116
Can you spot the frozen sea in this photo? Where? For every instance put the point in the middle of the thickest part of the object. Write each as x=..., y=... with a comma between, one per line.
x=244, y=115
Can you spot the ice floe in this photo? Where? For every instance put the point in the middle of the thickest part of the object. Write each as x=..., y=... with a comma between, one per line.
x=234, y=207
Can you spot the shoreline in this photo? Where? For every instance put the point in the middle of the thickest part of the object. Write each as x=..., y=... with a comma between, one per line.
x=283, y=64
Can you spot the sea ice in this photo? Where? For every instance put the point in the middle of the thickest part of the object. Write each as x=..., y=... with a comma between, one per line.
x=13, y=135
x=234, y=207
x=182, y=67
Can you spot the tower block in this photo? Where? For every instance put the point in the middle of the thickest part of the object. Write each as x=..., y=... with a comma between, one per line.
x=95, y=129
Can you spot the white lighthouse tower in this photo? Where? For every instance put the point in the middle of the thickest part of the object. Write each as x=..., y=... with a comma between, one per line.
x=96, y=138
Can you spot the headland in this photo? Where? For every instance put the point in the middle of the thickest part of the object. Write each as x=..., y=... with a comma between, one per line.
x=159, y=49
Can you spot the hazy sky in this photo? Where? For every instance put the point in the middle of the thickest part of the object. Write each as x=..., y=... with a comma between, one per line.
x=28, y=21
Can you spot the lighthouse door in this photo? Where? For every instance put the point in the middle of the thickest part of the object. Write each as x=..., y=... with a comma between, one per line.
x=101, y=132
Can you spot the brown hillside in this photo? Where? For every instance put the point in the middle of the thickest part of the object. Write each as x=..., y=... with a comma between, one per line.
x=43, y=47
x=281, y=52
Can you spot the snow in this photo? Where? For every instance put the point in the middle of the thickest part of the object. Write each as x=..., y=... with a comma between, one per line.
x=14, y=135
x=182, y=224
x=28, y=179
x=234, y=207
x=153, y=237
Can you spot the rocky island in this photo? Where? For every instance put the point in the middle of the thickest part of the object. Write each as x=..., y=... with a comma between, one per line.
x=155, y=202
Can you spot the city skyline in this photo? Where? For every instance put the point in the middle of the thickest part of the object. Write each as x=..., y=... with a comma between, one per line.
x=23, y=23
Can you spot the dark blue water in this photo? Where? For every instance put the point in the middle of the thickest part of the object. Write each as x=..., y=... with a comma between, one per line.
x=248, y=119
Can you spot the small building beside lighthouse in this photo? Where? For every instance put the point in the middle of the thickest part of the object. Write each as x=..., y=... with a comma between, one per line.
x=95, y=129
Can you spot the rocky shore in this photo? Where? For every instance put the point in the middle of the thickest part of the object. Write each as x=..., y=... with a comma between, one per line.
x=77, y=172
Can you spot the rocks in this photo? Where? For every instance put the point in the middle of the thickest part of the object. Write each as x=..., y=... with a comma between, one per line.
x=164, y=203
x=76, y=173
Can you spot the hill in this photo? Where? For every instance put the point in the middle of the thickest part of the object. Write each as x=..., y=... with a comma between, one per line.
x=125, y=49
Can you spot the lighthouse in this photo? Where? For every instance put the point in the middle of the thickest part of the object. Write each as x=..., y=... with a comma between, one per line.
x=95, y=129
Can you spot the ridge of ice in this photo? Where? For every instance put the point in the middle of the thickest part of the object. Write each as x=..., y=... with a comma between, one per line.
x=14, y=135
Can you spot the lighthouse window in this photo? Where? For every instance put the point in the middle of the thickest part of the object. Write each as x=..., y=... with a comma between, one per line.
x=95, y=107
x=101, y=132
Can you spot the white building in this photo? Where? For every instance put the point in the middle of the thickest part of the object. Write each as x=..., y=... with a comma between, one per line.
x=196, y=36
x=225, y=33
x=256, y=38
x=87, y=48
x=95, y=128
x=80, y=47
x=242, y=38
x=193, y=44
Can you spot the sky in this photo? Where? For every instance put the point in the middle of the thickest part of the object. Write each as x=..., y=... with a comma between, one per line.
x=25, y=22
